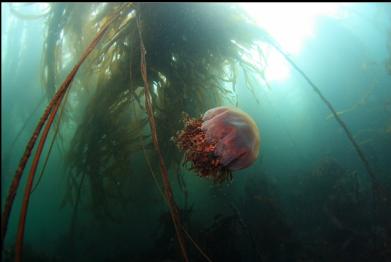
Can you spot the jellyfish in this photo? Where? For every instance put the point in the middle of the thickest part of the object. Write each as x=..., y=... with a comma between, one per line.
x=223, y=140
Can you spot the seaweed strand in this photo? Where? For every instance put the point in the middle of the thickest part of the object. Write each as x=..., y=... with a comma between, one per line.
x=166, y=183
x=331, y=108
x=21, y=130
x=30, y=145
x=207, y=258
x=51, y=145
x=27, y=192
x=378, y=189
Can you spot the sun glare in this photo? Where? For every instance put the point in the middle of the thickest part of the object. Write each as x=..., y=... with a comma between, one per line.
x=291, y=24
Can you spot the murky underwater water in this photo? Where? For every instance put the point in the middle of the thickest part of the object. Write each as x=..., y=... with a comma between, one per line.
x=100, y=196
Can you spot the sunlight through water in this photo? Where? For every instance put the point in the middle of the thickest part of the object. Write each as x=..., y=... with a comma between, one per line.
x=291, y=24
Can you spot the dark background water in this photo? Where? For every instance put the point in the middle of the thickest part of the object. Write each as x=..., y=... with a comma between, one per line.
x=307, y=198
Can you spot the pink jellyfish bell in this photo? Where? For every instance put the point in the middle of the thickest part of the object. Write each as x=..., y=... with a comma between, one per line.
x=225, y=139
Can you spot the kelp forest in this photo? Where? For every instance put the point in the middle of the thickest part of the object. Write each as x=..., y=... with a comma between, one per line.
x=110, y=160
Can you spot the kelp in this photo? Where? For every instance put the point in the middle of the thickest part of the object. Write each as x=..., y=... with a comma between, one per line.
x=193, y=51
x=48, y=119
x=187, y=68
x=378, y=189
x=168, y=193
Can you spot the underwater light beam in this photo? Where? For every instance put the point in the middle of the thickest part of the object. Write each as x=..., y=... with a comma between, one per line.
x=260, y=13
x=290, y=24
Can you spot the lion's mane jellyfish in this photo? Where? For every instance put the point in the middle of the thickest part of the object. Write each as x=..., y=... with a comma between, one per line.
x=225, y=139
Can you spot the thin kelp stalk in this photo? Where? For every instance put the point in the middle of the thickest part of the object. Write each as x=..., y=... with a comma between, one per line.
x=27, y=193
x=207, y=258
x=26, y=155
x=376, y=186
x=339, y=120
x=51, y=144
x=20, y=132
x=166, y=183
x=29, y=185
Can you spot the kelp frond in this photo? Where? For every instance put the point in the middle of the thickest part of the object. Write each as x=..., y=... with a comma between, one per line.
x=194, y=52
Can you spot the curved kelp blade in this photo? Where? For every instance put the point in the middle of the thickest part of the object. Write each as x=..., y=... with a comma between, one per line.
x=52, y=110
